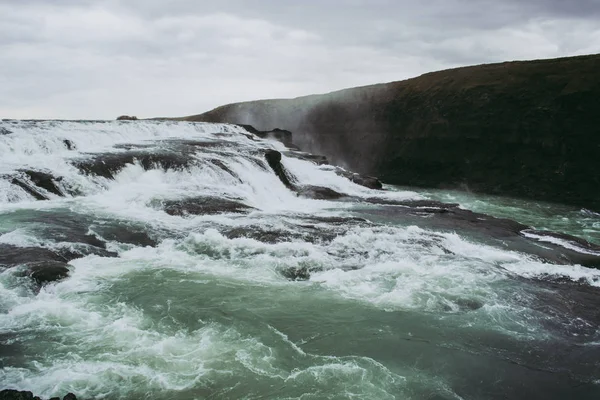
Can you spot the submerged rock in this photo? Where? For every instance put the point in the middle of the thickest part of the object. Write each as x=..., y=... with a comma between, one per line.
x=110, y=164
x=281, y=135
x=314, y=158
x=370, y=182
x=29, y=189
x=565, y=249
x=296, y=273
x=12, y=255
x=204, y=206
x=37, y=183
x=318, y=193
x=47, y=271
x=69, y=144
x=11, y=394
x=273, y=158
x=45, y=180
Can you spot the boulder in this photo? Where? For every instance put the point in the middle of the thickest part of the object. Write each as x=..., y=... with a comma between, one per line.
x=10, y=394
x=44, y=180
x=370, y=182
x=318, y=193
x=281, y=135
x=108, y=165
x=314, y=158
x=273, y=158
x=47, y=271
x=69, y=144
x=296, y=273
x=127, y=118
x=204, y=206
x=20, y=182
x=12, y=255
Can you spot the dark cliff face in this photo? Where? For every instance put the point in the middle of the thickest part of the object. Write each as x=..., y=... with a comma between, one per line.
x=524, y=129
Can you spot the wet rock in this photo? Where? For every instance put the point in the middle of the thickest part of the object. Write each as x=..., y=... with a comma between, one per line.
x=45, y=181
x=318, y=193
x=250, y=129
x=47, y=271
x=363, y=180
x=13, y=255
x=314, y=158
x=204, y=206
x=224, y=167
x=109, y=164
x=127, y=234
x=296, y=273
x=281, y=135
x=273, y=158
x=9, y=394
x=271, y=236
x=127, y=118
x=573, y=306
x=347, y=221
x=468, y=304
x=577, y=242
x=29, y=189
x=566, y=249
x=69, y=144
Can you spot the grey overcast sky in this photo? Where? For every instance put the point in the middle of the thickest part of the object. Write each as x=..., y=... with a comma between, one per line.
x=101, y=58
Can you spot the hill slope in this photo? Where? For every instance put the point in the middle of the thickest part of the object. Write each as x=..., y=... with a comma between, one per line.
x=526, y=129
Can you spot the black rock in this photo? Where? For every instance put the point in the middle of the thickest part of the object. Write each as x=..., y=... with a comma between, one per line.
x=367, y=181
x=319, y=193
x=579, y=251
x=281, y=135
x=314, y=158
x=13, y=255
x=47, y=271
x=109, y=164
x=44, y=180
x=204, y=206
x=296, y=273
x=70, y=396
x=273, y=158
x=29, y=188
x=127, y=118
x=69, y=144
x=9, y=394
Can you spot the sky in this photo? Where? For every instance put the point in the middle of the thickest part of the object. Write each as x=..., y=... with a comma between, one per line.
x=97, y=59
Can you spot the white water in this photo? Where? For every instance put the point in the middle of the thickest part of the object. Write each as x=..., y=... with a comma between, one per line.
x=189, y=315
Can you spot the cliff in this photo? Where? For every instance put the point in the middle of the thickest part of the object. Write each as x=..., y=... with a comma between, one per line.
x=525, y=129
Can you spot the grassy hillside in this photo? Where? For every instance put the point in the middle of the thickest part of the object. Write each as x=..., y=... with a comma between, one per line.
x=527, y=129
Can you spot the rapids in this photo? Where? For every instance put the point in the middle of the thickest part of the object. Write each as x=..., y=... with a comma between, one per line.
x=195, y=273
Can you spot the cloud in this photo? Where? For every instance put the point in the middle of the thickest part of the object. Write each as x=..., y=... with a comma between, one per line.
x=99, y=59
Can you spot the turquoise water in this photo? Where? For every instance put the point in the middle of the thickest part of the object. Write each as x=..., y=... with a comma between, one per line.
x=390, y=308
x=541, y=215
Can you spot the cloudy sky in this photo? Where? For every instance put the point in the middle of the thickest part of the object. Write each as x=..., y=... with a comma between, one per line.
x=102, y=58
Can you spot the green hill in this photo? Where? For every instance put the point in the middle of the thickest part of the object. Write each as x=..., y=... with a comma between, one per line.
x=526, y=129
